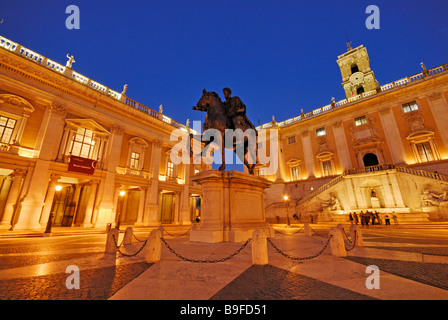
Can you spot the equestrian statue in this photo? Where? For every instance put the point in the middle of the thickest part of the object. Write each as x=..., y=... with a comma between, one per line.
x=230, y=114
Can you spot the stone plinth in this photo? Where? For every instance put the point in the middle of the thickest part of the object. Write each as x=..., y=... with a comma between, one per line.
x=232, y=206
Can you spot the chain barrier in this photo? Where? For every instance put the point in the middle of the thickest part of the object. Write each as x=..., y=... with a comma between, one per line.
x=206, y=261
x=180, y=235
x=299, y=258
x=138, y=240
x=354, y=241
x=126, y=254
x=316, y=233
x=345, y=236
x=288, y=234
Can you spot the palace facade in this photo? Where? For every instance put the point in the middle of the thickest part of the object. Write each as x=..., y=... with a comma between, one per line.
x=89, y=155
x=79, y=153
x=383, y=148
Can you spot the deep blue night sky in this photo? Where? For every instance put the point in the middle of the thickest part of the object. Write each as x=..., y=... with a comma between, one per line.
x=277, y=56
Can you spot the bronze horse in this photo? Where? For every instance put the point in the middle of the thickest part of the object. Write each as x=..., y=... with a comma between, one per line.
x=216, y=118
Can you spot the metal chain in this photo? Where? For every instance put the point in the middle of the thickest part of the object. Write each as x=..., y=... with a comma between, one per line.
x=354, y=242
x=180, y=235
x=206, y=261
x=299, y=258
x=138, y=240
x=345, y=236
x=316, y=232
x=288, y=234
x=125, y=254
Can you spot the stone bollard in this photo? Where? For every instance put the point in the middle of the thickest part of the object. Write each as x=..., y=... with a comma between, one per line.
x=111, y=244
x=154, y=246
x=307, y=228
x=259, y=248
x=356, y=234
x=128, y=236
x=337, y=243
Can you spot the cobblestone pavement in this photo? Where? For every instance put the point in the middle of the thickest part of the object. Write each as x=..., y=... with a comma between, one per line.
x=415, y=259
x=271, y=283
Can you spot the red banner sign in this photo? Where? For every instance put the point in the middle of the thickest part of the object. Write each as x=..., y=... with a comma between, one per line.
x=83, y=165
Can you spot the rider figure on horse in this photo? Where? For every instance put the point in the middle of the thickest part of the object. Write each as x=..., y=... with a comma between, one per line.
x=235, y=111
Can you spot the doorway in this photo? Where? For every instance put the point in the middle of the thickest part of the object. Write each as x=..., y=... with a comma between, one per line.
x=370, y=159
x=167, y=207
x=195, y=208
x=64, y=206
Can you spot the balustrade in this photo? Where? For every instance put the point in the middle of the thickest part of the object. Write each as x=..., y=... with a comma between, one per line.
x=33, y=56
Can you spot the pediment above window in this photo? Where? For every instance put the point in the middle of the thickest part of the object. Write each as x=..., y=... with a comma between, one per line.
x=89, y=124
x=139, y=142
x=16, y=105
x=293, y=162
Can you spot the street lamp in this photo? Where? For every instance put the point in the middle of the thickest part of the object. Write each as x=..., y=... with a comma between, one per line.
x=120, y=201
x=285, y=197
x=47, y=232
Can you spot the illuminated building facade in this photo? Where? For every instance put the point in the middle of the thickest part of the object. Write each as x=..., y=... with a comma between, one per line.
x=384, y=148
x=107, y=154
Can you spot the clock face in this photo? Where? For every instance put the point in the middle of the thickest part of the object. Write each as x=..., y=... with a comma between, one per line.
x=357, y=78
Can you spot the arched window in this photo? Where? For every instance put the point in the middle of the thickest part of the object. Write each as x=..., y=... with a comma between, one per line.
x=360, y=90
x=354, y=68
x=370, y=159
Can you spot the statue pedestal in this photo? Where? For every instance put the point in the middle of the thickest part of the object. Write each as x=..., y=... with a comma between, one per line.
x=232, y=206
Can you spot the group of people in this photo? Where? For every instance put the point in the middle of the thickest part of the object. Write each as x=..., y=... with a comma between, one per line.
x=371, y=218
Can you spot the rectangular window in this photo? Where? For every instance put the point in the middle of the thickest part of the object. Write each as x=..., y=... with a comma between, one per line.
x=6, y=128
x=320, y=132
x=411, y=106
x=327, y=168
x=360, y=121
x=295, y=173
x=135, y=159
x=83, y=144
x=424, y=151
x=170, y=169
x=292, y=140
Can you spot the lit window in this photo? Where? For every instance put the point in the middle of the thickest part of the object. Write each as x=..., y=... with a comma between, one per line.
x=135, y=159
x=321, y=132
x=327, y=168
x=6, y=128
x=411, y=106
x=292, y=140
x=295, y=173
x=261, y=172
x=424, y=151
x=170, y=169
x=360, y=121
x=83, y=143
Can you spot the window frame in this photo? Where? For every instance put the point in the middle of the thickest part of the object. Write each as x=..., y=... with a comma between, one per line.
x=407, y=107
x=319, y=132
x=4, y=128
x=420, y=137
x=362, y=120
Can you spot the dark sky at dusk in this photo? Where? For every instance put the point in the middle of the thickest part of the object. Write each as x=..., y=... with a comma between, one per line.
x=277, y=56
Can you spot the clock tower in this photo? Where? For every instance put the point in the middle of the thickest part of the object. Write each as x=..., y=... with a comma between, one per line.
x=357, y=77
